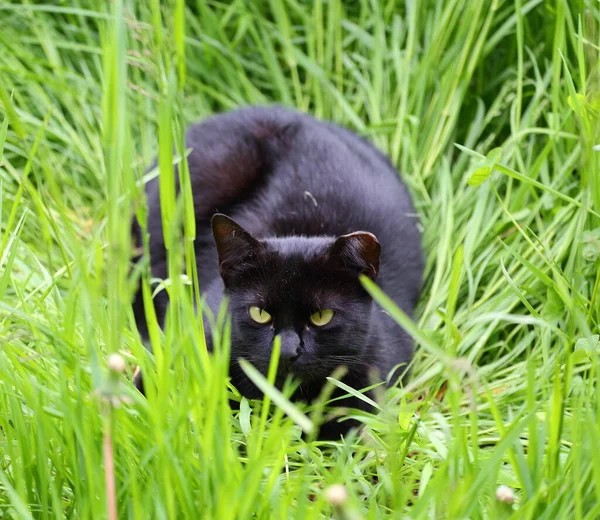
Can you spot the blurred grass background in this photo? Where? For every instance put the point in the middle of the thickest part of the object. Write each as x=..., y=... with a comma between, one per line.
x=490, y=111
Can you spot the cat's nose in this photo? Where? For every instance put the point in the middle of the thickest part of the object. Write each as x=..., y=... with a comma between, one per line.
x=290, y=346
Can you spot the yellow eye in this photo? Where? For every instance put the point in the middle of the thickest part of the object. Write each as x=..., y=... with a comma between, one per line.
x=321, y=318
x=259, y=315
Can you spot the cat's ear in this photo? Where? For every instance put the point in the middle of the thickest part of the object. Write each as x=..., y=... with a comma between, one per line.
x=235, y=246
x=358, y=252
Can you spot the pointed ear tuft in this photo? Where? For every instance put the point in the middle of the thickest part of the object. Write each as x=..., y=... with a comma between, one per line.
x=358, y=252
x=235, y=246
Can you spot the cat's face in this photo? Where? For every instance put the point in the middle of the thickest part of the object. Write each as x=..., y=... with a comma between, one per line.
x=306, y=290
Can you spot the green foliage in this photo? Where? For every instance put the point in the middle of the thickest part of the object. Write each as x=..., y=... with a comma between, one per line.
x=490, y=110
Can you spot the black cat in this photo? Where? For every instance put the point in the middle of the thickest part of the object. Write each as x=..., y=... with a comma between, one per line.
x=310, y=207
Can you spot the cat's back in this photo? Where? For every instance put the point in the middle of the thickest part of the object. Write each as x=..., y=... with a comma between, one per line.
x=315, y=178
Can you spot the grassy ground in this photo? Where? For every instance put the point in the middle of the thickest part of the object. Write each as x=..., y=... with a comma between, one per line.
x=458, y=92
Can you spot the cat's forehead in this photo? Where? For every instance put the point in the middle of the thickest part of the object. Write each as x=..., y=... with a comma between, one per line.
x=295, y=291
x=299, y=247
x=297, y=264
x=295, y=274
x=299, y=277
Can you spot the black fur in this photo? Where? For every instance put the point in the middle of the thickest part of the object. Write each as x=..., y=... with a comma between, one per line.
x=312, y=206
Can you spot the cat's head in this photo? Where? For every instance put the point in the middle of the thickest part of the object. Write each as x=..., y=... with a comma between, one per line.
x=307, y=290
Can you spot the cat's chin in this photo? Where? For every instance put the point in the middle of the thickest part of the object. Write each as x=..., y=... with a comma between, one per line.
x=303, y=371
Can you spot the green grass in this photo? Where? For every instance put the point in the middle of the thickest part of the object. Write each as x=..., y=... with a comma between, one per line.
x=504, y=386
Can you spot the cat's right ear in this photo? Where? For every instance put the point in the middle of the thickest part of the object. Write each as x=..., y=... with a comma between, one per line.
x=358, y=252
x=235, y=246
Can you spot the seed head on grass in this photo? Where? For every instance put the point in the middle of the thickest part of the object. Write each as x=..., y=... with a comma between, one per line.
x=116, y=362
x=505, y=494
x=336, y=495
x=111, y=391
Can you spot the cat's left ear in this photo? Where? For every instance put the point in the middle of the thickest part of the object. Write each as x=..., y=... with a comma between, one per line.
x=235, y=246
x=357, y=251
